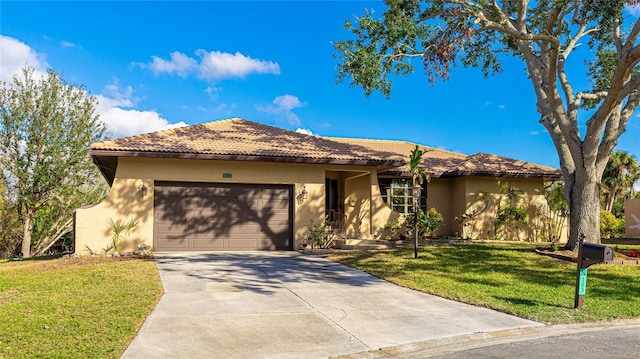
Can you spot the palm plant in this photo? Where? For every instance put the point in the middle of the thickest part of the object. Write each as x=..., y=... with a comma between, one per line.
x=120, y=230
x=621, y=172
x=418, y=173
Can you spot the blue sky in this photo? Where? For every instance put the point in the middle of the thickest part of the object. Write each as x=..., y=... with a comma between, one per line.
x=155, y=65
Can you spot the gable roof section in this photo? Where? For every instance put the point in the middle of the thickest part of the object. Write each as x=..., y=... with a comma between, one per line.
x=238, y=139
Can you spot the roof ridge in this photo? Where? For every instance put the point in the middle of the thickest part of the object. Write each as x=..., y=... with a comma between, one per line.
x=477, y=155
x=166, y=131
x=396, y=141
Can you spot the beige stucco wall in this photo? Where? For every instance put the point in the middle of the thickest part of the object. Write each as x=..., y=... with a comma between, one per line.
x=439, y=196
x=481, y=197
x=357, y=204
x=381, y=213
x=458, y=203
x=632, y=218
x=125, y=202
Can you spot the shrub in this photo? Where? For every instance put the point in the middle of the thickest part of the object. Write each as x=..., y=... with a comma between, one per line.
x=390, y=230
x=318, y=235
x=428, y=223
x=610, y=226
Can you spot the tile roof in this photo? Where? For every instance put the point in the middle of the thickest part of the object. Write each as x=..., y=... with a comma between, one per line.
x=437, y=161
x=488, y=164
x=239, y=139
x=242, y=138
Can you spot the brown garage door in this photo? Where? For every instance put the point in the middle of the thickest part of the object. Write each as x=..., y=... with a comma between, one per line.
x=206, y=216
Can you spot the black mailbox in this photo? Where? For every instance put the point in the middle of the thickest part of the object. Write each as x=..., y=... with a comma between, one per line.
x=595, y=253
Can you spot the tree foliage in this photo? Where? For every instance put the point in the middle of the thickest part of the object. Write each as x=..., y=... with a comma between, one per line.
x=46, y=127
x=442, y=34
x=619, y=176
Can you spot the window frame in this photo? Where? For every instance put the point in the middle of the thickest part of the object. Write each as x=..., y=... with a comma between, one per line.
x=402, y=202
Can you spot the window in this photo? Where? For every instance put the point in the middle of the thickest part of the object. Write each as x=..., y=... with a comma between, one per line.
x=397, y=194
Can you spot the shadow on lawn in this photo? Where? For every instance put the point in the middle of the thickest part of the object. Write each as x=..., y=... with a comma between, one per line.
x=530, y=302
x=508, y=262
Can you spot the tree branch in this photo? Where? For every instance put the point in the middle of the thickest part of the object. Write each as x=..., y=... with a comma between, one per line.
x=633, y=34
x=522, y=15
x=564, y=152
x=613, y=130
x=591, y=96
x=617, y=40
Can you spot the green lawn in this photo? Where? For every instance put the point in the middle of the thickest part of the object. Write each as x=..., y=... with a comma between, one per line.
x=510, y=278
x=74, y=308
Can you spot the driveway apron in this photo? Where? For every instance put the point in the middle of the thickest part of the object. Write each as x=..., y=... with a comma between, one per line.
x=288, y=305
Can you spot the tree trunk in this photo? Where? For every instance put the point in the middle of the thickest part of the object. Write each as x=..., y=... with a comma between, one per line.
x=26, y=238
x=584, y=210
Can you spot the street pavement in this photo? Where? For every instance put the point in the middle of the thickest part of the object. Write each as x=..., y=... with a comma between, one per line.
x=602, y=340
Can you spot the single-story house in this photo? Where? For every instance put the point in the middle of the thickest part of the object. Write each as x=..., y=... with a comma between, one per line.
x=240, y=185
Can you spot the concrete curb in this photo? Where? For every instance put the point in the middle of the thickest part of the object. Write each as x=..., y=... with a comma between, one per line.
x=443, y=346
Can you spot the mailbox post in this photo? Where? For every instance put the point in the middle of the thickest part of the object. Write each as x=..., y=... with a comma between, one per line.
x=588, y=254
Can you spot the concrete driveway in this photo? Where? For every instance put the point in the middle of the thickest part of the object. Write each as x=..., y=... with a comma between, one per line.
x=288, y=305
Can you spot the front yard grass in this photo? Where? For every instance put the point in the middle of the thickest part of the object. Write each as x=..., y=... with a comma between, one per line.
x=510, y=278
x=76, y=307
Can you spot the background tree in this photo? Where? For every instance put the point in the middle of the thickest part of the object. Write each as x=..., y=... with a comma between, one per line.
x=46, y=127
x=621, y=172
x=557, y=211
x=543, y=34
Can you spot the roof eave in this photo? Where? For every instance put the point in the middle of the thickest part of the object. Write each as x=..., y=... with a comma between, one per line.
x=545, y=176
x=106, y=160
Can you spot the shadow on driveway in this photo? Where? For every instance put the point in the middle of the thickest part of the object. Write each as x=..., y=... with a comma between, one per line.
x=287, y=305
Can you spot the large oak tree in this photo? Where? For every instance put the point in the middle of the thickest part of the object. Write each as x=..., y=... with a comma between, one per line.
x=544, y=34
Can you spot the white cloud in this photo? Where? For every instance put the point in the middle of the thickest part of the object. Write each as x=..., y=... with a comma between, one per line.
x=288, y=102
x=64, y=43
x=211, y=65
x=17, y=54
x=534, y=133
x=115, y=106
x=180, y=64
x=305, y=131
x=122, y=123
x=218, y=65
x=115, y=109
x=284, y=106
x=502, y=107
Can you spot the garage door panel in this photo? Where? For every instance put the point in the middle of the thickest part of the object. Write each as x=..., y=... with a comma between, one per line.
x=238, y=244
x=171, y=228
x=208, y=244
x=222, y=217
x=279, y=216
x=244, y=229
x=275, y=244
x=173, y=243
x=208, y=202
